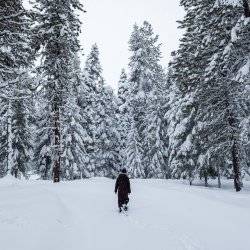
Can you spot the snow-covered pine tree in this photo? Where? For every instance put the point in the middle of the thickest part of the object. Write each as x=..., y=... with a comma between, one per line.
x=57, y=34
x=5, y=137
x=123, y=113
x=172, y=115
x=75, y=137
x=203, y=19
x=92, y=78
x=21, y=132
x=156, y=130
x=106, y=136
x=240, y=39
x=222, y=106
x=183, y=145
x=15, y=59
x=123, y=89
x=44, y=135
x=207, y=165
x=84, y=114
x=236, y=58
x=145, y=77
x=187, y=67
x=134, y=152
x=139, y=87
x=99, y=107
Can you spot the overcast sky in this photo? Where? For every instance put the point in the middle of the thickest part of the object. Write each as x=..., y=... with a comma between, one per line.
x=109, y=23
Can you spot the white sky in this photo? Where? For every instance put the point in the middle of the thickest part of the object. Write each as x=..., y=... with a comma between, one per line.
x=109, y=23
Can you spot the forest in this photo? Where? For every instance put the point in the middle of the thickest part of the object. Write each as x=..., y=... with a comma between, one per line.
x=60, y=119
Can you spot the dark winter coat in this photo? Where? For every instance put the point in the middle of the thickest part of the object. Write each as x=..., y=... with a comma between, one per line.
x=123, y=187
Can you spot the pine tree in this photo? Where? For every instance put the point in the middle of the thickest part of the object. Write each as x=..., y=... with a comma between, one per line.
x=106, y=138
x=43, y=141
x=220, y=96
x=187, y=67
x=199, y=53
x=156, y=129
x=83, y=115
x=16, y=58
x=173, y=115
x=134, y=153
x=145, y=78
x=57, y=31
x=99, y=107
x=123, y=113
x=74, y=135
x=21, y=136
x=241, y=45
x=92, y=80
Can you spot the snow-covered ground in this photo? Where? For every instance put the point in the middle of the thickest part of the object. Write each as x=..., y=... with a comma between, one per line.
x=163, y=215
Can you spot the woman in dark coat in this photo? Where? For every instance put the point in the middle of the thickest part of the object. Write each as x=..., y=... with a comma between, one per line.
x=122, y=185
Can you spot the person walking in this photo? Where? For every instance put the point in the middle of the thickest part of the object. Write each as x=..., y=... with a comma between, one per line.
x=122, y=186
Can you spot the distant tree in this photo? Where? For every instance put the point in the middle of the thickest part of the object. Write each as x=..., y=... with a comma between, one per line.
x=106, y=137
x=146, y=75
x=123, y=113
x=99, y=108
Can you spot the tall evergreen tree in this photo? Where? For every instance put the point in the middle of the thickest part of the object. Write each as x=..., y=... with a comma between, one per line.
x=145, y=77
x=220, y=95
x=106, y=137
x=208, y=26
x=15, y=59
x=75, y=136
x=123, y=113
x=44, y=135
x=209, y=78
x=57, y=31
x=187, y=67
x=99, y=107
x=92, y=80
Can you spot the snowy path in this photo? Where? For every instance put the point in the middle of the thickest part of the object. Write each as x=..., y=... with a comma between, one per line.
x=164, y=215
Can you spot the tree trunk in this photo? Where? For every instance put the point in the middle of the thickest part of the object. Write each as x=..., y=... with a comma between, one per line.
x=57, y=135
x=47, y=166
x=9, y=141
x=190, y=182
x=235, y=150
x=236, y=167
x=219, y=177
x=246, y=6
x=206, y=180
x=15, y=173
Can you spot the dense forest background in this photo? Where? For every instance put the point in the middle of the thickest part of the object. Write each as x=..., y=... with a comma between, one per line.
x=62, y=121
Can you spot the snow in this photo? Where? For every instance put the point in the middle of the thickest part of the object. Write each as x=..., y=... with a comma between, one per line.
x=38, y=215
x=244, y=71
x=234, y=33
x=228, y=2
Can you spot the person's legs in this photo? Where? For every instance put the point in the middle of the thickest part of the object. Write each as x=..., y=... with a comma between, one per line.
x=126, y=204
x=120, y=204
x=123, y=201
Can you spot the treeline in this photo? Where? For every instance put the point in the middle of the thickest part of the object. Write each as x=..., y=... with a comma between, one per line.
x=62, y=121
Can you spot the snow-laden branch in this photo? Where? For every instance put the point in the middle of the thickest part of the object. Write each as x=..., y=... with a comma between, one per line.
x=12, y=16
x=229, y=2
